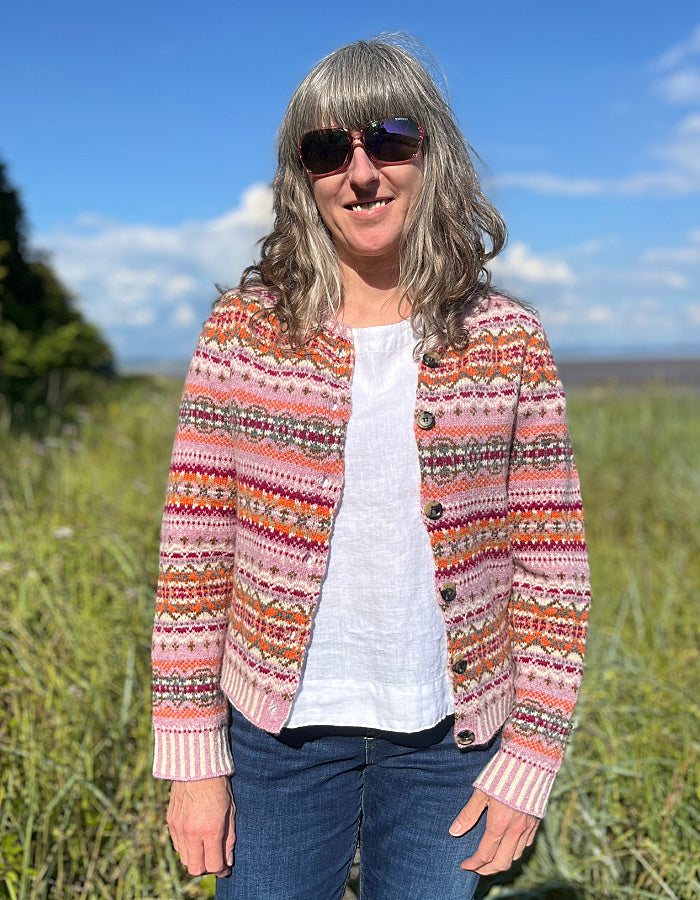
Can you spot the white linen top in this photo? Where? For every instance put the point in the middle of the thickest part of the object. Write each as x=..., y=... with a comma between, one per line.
x=378, y=651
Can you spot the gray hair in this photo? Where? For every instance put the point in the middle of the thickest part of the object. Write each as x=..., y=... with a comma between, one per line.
x=453, y=232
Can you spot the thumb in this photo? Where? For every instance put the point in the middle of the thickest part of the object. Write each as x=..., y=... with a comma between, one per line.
x=470, y=814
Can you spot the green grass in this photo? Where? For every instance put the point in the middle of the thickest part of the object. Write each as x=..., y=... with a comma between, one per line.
x=80, y=816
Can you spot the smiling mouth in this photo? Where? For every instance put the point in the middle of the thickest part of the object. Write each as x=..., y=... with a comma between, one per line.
x=370, y=204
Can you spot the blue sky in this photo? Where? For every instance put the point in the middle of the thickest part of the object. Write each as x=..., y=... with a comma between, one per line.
x=141, y=136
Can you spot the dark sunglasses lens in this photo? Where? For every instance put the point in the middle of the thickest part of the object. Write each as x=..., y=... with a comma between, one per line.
x=324, y=150
x=393, y=140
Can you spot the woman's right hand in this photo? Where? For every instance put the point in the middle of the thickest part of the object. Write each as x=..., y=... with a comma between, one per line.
x=201, y=824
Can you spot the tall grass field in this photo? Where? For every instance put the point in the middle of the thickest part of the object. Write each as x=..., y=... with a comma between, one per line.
x=80, y=816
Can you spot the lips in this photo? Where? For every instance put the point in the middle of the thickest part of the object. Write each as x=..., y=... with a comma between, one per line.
x=368, y=205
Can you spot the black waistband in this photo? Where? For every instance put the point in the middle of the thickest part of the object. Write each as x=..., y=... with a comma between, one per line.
x=295, y=737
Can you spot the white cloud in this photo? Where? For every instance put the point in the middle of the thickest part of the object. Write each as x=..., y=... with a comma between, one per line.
x=683, y=151
x=654, y=278
x=679, y=53
x=681, y=175
x=517, y=263
x=677, y=281
x=131, y=276
x=183, y=315
x=687, y=254
x=626, y=303
x=547, y=183
x=178, y=285
x=599, y=314
x=682, y=86
x=642, y=277
x=593, y=246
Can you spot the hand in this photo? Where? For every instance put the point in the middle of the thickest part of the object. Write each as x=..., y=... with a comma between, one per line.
x=508, y=833
x=201, y=824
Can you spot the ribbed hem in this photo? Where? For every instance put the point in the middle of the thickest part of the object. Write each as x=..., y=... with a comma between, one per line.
x=262, y=702
x=518, y=783
x=192, y=755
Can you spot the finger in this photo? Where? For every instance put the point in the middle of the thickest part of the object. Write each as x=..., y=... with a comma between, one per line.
x=484, y=853
x=520, y=847
x=525, y=841
x=219, y=850
x=470, y=814
x=230, y=836
x=501, y=856
x=192, y=855
x=215, y=861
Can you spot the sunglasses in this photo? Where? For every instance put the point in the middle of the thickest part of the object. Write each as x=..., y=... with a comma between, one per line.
x=390, y=142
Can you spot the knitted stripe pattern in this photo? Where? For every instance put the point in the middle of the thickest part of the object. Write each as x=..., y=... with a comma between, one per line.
x=255, y=479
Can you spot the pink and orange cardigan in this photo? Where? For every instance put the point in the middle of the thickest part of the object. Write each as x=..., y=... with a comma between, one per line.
x=255, y=479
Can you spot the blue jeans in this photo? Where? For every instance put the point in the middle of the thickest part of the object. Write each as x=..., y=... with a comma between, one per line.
x=305, y=798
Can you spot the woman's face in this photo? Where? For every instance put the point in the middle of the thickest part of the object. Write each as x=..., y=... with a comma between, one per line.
x=367, y=207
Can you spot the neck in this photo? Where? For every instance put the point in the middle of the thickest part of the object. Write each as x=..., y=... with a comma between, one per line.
x=372, y=295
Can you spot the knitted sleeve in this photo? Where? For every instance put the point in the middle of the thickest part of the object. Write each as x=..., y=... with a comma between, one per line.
x=549, y=601
x=195, y=574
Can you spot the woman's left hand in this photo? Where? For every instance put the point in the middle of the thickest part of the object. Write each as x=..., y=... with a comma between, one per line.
x=508, y=833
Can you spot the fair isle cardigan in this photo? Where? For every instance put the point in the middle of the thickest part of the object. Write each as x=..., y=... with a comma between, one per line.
x=255, y=480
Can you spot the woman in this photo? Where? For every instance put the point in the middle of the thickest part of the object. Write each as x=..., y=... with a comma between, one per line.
x=373, y=590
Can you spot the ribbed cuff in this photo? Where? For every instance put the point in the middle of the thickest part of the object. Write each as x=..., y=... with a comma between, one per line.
x=519, y=783
x=187, y=755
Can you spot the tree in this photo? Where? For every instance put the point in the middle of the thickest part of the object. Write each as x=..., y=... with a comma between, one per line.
x=48, y=352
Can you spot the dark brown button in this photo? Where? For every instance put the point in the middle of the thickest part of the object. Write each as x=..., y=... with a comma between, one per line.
x=459, y=666
x=466, y=737
x=431, y=360
x=448, y=591
x=433, y=510
x=426, y=420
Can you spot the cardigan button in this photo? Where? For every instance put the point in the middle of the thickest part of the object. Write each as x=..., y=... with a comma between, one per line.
x=448, y=591
x=426, y=420
x=431, y=360
x=433, y=510
x=466, y=737
x=460, y=666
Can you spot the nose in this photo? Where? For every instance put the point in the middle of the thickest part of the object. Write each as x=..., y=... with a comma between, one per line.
x=361, y=170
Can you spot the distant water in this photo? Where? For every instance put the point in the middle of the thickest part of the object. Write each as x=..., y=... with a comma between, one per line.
x=170, y=368
x=630, y=371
